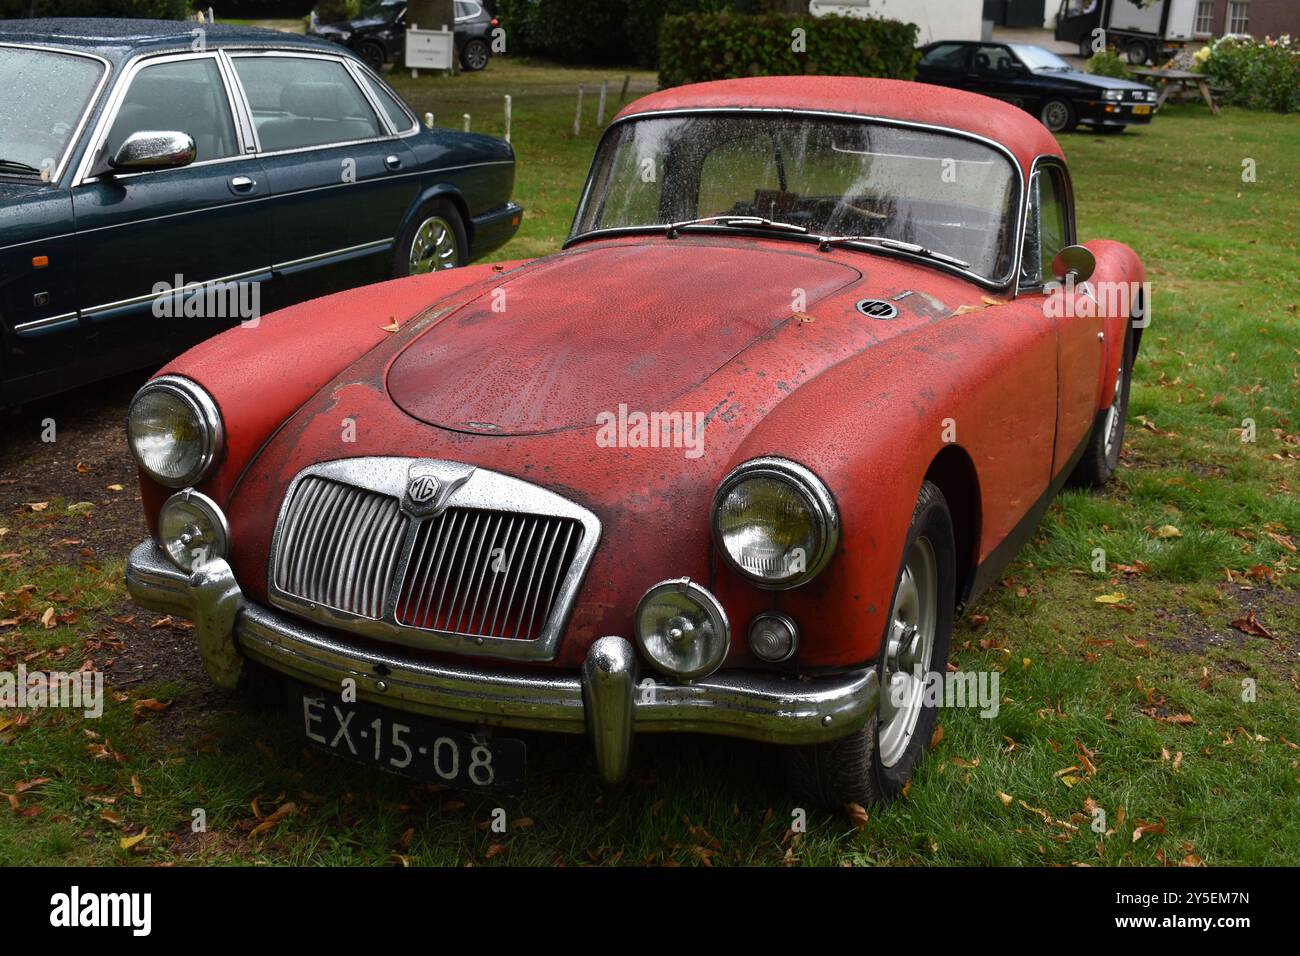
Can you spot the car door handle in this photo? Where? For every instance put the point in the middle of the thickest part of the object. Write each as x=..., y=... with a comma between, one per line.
x=242, y=184
x=392, y=162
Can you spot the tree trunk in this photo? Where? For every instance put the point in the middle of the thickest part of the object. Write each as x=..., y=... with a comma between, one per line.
x=431, y=14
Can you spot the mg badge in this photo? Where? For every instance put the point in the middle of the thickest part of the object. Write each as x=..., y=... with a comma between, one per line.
x=422, y=489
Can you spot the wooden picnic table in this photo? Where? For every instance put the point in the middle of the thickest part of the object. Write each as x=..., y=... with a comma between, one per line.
x=1180, y=80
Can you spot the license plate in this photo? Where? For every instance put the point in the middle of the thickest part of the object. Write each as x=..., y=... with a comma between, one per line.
x=410, y=745
x=1141, y=110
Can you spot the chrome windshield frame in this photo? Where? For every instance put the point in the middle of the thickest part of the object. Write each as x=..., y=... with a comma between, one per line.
x=1016, y=211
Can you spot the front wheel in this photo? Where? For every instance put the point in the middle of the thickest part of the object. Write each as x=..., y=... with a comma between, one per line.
x=1058, y=116
x=435, y=240
x=373, y=55
x=875, y=764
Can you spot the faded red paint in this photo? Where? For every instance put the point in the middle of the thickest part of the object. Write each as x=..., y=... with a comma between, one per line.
x=701, y=323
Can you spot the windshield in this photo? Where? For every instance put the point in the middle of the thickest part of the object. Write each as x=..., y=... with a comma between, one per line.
x=1036, y=58
x=36, y=127
x=383, y=10
x=833, y=177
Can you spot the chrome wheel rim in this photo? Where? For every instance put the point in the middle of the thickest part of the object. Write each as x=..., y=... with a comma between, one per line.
x=908, y=652
x=434, y=247
x=1113, y=414
x=1055, y=115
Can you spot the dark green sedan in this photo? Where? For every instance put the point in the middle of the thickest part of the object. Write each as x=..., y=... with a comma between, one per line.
x=161, y=181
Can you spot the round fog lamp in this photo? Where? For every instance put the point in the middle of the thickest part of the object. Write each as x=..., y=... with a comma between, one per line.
x=773, y=637
x=682, y=629
x=192, y=530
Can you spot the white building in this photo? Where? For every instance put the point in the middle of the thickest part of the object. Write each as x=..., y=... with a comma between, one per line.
x=946, y=19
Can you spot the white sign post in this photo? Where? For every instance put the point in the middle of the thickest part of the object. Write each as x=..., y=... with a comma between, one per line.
x=429, y=49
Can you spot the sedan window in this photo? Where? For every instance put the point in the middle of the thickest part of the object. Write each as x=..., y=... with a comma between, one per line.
x=36, y=126
x=301, y=101
x=994, y=59
x=397, y=114
x=948, y=56
x=187, y=96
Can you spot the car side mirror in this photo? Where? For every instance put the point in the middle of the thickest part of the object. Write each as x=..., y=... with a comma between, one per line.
x=153, y=149
x=1078, y=260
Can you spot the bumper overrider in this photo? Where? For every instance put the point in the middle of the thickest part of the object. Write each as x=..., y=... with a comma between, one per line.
x=606, y=700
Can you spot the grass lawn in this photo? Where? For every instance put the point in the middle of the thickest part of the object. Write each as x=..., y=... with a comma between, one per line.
x=1133, y=708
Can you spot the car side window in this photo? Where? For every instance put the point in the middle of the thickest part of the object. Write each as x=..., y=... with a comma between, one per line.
x=304, y=101
x=397, y=115
x=993, y=58
x=946, y=56
x=1052, y=229
x=186, y=96
x=1046, y=226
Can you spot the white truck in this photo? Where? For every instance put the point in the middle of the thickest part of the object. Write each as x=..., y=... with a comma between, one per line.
x=1143, y=32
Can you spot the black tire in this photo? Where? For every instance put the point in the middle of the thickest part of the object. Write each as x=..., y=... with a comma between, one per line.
x=1101, y=457
x=850, y=770
x=474, y=55
x=373, y=55
x=1137, y=52
x=1085, y=46
x=438, y=209
x=1058, y=115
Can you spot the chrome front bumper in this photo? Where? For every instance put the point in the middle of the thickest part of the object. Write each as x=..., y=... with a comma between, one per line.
x=606, y=700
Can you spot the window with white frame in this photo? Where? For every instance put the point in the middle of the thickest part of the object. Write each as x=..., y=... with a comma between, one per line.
x=1238, y=16
x=1204, y=17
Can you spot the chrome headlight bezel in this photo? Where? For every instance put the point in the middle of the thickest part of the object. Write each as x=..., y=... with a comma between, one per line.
x=816, y=496
x=219, y=547
x=711, y=607
x=207, y=419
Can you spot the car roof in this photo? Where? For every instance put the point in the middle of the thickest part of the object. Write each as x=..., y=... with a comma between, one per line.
x=941, y=106
x=118, y=39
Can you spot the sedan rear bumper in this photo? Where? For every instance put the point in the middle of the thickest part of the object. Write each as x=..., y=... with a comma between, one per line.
x=606, y=700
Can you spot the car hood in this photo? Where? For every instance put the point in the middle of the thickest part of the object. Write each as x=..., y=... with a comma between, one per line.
x=590, y=331
x=1095, y=80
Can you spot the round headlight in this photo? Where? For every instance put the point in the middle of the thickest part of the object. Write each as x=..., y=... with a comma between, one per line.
x=192, y=530
x=682, y=629
x=174, y=430
x=775, y=522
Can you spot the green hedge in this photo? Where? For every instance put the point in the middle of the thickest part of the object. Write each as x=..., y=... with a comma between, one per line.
x=138, y=9
x=719, y=46
x=608, y=31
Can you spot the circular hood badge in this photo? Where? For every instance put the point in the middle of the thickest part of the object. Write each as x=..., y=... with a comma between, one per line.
x=422, y=489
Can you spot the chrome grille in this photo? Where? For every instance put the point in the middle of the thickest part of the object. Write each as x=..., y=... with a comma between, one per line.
x=433, y=554
x=339, y=546
x=486, y=574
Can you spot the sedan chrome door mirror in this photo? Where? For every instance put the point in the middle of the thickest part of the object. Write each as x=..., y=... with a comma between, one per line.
x=1078, y=260
x=153, y=149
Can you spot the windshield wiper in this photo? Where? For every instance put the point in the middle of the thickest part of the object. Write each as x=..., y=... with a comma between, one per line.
x=742, y=222
x=15, y=164
x=885, y=243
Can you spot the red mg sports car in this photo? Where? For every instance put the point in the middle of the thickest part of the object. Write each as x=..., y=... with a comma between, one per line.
x=811, y=365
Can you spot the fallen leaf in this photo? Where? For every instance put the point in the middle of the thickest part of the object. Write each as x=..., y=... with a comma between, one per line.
x=395, y=326
x=114, y=487
x=148, y=706
x=803, y=318
x=47, y=619
x=1115, y=598
x=857, y=815
x=1168, y=531
x=495, y=850
x=1006, y=798
x=283, y=811
x=38, y=505
x=936, y=736
x=1249, y=625
x=129, y=841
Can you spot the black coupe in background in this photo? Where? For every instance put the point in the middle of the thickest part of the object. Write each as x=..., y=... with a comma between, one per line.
x=1038, y=81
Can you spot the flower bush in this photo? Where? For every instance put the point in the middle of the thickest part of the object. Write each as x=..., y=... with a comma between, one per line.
x=1258, y=74
x=1108, y=62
